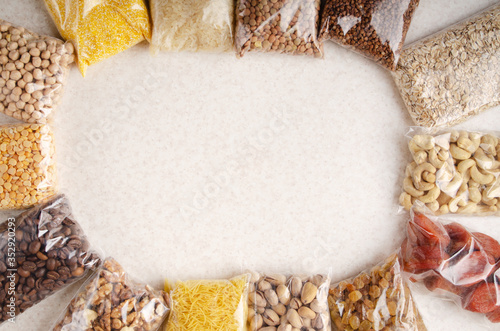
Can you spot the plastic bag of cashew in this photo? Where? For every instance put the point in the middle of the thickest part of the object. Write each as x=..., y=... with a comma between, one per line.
x=376, y=299
x=281, y=303
x=33, y=73
x=453, y=263
x=110, y=300
x=453, y=172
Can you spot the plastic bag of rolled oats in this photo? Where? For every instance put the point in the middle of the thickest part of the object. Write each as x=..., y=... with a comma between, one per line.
x=452, y=75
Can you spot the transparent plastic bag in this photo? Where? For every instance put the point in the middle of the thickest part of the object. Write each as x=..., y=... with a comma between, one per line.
x=283, y=26
x=110, y=300
x=376, y=299
x=27, y=165
x=452, y=75
x=192, y=25
x=375, y=29
x=209, y=305
x=288, y=303
x=33, y=73
x=453, y=172
x=453, y=262
x=42, y=251
x=100, y=29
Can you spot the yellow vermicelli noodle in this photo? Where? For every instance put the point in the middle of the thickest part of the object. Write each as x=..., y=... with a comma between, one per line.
x=209, y=305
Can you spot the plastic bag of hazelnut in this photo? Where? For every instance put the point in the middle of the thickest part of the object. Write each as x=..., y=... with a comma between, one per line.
x=376, y=29
x=282, y=26
x=27, y=165
x=376, y=299
x=33, y=73
x=110, y=300
x=41, y=251
x=281, y=303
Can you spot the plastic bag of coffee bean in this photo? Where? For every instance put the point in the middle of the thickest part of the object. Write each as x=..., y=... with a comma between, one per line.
x=27, y=165
x=454, y=263
x=375, y=29
x=110, y=300
x=41, y=251
x=192, y=25
x=456, y=172
x=376, y=299
x=452, y=75
x=288, y=303
x=100, y=29
x=33, y=73
x=282, y=26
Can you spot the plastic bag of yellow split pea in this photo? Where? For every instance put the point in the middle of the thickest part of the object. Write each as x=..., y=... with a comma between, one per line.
x=100, y=28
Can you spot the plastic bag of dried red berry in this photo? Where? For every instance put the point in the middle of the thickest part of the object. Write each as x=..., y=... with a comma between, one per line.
x=375, y=29
x=111, y=300
x=453, y=262
x=33, y=73
x=376, y=299
x=43, y=250
x=281, y=26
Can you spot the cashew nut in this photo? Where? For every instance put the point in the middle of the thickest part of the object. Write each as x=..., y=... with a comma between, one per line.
x=466, y=144
x=424, y=141
x=484, y=161
x=474, y=194
x=420, y=157
x=410, y=168
x=481, y=178
x=429, y=177
x=433, y=206
x=443, y=141
x=452, y=187
x=444, y=209
x=464, y=165
x=459, y=153
x=414, y=148
x=454, y=136
x=488, y=143
x=487, y=209
x=417, y=176
x=476, y=140
x=431, y=195
x=469, y=208
x=410, y=189
x=454, y=203
x=493, y=190
x=434, y=160
x=405, y=200
x=443, y=198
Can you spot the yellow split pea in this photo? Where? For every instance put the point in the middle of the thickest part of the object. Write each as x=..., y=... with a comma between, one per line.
x=27, y=165
x=100, y=28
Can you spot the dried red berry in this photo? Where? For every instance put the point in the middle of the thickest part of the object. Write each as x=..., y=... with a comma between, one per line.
x=482, y=300
x=469, y=269
x=423, y=231
x=460, y=238
x=488, y=244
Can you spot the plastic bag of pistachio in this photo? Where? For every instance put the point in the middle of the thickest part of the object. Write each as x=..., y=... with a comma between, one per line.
x=110, y=300
x=42, y=251
x=376, y=299
x=453, y=262
x=375, y=29
x=209, y=305
x=281, y=26
x=192, y=25
x=278, y=302
x=100, y=29
x=27, y=165
x=453, y=172
x=452, y=75
x=33, y=73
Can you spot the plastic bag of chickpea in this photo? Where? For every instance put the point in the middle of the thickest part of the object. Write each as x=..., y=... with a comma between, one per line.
x=376, y=299
x=286, y=303
x=454, y=172
x=281, y=26
x=375, y=29
x=453, y=262
x=33, y=73
x=100, y=29
x=27, y=165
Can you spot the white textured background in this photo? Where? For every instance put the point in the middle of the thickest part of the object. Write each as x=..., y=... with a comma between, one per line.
x=202, y=165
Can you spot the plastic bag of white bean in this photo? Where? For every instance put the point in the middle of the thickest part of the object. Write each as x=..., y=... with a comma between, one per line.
x=280, y=302
x=453, y=172
x=192, y=25
x=33, y=73
x=452, y=75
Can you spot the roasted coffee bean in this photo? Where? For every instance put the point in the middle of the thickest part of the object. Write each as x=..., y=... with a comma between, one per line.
x=50, y=254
